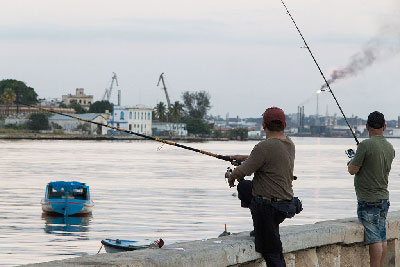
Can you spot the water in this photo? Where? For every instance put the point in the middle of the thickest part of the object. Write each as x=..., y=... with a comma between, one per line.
x=144, y=191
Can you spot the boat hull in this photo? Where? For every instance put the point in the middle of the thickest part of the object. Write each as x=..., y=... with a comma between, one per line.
x=116, y=245
x=60, y=206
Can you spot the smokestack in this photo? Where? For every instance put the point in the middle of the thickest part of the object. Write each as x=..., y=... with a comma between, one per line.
x=398, y=121
x=119, y=97
x=300, y=118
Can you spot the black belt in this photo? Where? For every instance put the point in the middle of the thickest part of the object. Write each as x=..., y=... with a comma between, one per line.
x=273, y=199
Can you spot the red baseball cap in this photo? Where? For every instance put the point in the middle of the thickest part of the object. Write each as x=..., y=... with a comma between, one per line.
x=274, y=114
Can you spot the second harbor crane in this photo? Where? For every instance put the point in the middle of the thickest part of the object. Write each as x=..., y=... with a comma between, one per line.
x=107, y=93
x=165, y=89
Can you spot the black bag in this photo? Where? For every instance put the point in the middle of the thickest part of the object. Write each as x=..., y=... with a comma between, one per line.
x=288, y=207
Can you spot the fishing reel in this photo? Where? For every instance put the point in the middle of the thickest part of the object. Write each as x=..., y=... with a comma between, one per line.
x=228, y=173
x=350, y=153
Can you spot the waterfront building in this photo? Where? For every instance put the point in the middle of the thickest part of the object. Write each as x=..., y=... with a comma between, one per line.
x=169, y=129
x=137, y=119
x=25, y=111
x=80, y=97
x=392, y=132
x=74, y=126
x=49, y=102
x=255, y=134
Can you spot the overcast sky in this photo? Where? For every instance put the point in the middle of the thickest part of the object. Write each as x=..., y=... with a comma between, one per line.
x=246, y=54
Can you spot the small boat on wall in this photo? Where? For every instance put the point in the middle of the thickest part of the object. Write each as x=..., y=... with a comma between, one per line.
x=67, y=199
x=117, y=245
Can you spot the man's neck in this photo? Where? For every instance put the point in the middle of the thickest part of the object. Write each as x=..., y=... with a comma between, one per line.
x=375, y=133
x=273, y=134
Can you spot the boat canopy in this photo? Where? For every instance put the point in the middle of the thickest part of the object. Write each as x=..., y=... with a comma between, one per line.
x=67, y=186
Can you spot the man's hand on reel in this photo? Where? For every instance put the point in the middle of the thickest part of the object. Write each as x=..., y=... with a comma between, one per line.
x=228, y=174
x=350, y=153
x=233, y=175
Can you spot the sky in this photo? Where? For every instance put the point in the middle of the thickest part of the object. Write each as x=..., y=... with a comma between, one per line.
x=247, y=55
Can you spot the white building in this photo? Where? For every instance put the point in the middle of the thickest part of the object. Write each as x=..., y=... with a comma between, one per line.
x=137, y=119
x=71, y=125
x=169, y=129
x=50, y=102
x=80, y=97
x=255, y=133
x=392, y=132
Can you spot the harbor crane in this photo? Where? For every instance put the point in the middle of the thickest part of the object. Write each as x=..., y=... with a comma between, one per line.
x=165, y=89
x=107, y=93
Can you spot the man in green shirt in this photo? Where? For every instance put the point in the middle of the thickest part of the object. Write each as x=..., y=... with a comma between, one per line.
x=371, y=166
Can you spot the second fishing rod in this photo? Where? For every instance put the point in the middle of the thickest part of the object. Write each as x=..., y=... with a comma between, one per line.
x=323, y=76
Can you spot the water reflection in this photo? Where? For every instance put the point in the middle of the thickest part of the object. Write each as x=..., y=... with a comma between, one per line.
x=184, y=197
x=66, y=226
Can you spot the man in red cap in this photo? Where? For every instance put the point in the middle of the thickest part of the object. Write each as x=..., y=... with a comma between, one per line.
x=272, y=162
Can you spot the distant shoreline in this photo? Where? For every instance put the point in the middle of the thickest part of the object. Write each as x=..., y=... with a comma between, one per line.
x=103, y=138
x=38, y=136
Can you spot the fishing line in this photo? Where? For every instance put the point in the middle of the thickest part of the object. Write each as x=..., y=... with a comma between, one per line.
x=226, y=158
x=322, y=74
x=160, y=147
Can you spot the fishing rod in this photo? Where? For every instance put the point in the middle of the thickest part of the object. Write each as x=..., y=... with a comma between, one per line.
x=322, y=74
x=226, y=158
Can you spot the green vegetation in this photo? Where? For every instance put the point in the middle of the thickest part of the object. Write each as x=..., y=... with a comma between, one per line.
x=238, y=134
x=176, y=112
x=192, y=111
x=23, y=93
x=196, y=104
x=16, y=126
x=197, y=126
x=74, y=105
x=8, y=97
x=38, y=121
x=160, y=112
x=101, y=107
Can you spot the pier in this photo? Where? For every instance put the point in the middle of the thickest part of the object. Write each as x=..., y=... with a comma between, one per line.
x=334, y=243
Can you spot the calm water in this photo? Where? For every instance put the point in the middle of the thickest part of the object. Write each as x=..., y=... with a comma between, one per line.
x=145, y=191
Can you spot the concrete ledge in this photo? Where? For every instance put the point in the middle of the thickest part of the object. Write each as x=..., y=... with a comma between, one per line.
x=335, y=243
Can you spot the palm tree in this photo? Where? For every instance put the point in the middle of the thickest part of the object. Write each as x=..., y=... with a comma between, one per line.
x=161, y=111
x=8, y=97
x=176, y=111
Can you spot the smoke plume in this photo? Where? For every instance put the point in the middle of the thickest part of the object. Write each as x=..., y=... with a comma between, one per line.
x=385, y=45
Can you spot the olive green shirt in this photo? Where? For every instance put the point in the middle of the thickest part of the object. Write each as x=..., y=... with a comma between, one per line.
x=272, y=162
x=374, y=156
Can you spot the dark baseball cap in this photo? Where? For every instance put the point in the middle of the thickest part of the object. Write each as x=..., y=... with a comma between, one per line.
x=376, y=120
x=274, y=115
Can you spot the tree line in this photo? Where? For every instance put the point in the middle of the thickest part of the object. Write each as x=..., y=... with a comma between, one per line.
x=192, y=110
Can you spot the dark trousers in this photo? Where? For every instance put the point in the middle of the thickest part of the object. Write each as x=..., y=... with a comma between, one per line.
x=266, y=220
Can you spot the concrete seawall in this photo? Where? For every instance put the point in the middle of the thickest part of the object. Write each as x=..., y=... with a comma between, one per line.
x=337, y=243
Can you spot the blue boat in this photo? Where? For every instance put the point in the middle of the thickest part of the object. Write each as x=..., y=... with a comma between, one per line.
x=67, y=199
x=117, y=245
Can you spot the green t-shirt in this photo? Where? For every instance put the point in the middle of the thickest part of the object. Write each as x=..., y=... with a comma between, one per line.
x=374, y=156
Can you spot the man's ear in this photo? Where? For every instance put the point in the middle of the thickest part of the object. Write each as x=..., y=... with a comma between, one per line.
x=384, y=126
